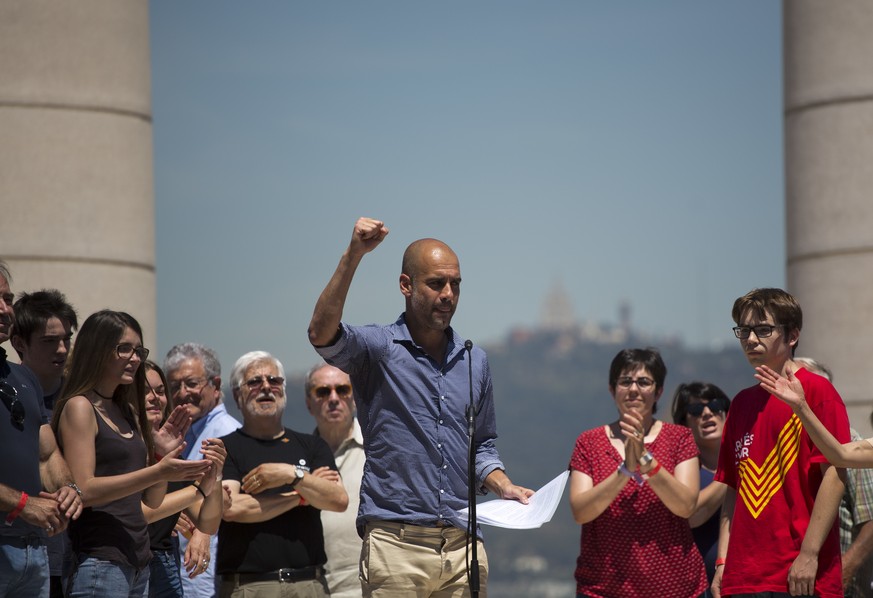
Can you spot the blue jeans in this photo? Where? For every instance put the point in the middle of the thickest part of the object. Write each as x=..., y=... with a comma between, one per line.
x=96, y=578
x=24, y=569
x=165, y=580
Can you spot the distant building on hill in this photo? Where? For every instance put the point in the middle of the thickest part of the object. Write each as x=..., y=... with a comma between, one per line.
x=557, y=315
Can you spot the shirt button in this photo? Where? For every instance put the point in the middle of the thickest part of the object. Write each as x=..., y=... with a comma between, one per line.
x=441, y=422
x=442, y=491
x=445, y=466
x=439, y=446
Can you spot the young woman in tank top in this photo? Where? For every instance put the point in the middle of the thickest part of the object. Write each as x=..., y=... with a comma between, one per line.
x=102, y=429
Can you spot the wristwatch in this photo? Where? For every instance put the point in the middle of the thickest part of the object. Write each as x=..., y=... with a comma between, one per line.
x=646, y=459
x=298, y=475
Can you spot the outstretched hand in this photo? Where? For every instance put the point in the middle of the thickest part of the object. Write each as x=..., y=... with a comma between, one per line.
x=172, y=433
x=367, y=235
x=519, y=493
x=175, y=469
x=785, y=388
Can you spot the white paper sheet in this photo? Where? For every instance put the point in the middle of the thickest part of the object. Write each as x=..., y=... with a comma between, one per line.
x=515, y=515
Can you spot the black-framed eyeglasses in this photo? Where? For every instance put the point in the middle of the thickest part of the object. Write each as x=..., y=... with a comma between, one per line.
x=342, y=390
x=127, y=350
x=9, y=394
x=642, y=382
x=258, y=381
x=716, y=406
x=761, y=331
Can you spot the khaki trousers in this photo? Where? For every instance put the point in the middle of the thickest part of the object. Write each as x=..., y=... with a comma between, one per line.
x=398, y=559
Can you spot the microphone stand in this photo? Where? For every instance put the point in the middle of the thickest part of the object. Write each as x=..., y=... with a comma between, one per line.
x=471, y=479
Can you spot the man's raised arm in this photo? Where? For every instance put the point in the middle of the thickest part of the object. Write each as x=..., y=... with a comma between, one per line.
x=328, y=312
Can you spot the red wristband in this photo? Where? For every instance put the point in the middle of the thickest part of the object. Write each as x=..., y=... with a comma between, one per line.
x=719, y=562
x=652, y=471
x=14, y=513
x=302, y=501
x=158, y=458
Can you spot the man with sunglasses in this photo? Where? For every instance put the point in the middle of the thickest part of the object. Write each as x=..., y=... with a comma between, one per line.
x=271, y=541
x=330, y=400
x=194, y=374
x=778, y=536
x=31, y=463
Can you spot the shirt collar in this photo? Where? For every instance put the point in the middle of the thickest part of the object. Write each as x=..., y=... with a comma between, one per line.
x=201, y=423
x=357, y=435
x=402, y=335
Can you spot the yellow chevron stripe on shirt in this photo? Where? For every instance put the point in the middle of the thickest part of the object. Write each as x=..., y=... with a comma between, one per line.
x=758, y=483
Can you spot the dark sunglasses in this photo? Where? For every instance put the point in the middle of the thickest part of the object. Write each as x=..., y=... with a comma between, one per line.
x=716, y=406
x=10, y=398
x=323, y=392
x=275, y=382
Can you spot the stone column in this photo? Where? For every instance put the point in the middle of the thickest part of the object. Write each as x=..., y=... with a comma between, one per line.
x=76, y=153
x=829, y=188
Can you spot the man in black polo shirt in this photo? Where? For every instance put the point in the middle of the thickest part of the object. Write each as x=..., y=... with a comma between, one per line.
x=271, y=542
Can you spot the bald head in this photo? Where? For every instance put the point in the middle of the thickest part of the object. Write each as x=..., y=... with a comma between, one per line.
x=431, y=283
x=420, y=254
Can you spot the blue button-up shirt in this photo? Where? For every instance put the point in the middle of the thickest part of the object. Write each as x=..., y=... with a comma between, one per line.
x=412, y=413
x=215, y=424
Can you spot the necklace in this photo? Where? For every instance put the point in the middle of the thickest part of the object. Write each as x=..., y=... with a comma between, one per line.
x=96, y=392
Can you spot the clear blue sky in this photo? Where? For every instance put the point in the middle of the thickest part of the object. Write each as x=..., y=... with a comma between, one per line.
x=631, y=150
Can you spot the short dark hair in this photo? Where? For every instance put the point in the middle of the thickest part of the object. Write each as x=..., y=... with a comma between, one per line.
x=770, y=301
x=34, y=310
x=648, y=358
x=694, y=390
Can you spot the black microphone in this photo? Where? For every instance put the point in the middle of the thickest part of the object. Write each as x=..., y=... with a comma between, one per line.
x=468, y=345
x=473, y=566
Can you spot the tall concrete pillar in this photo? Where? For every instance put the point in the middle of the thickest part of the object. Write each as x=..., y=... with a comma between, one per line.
x=76, y=153
x=829, y=188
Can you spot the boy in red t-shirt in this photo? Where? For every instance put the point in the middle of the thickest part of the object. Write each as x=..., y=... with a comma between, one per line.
x=778, y=536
